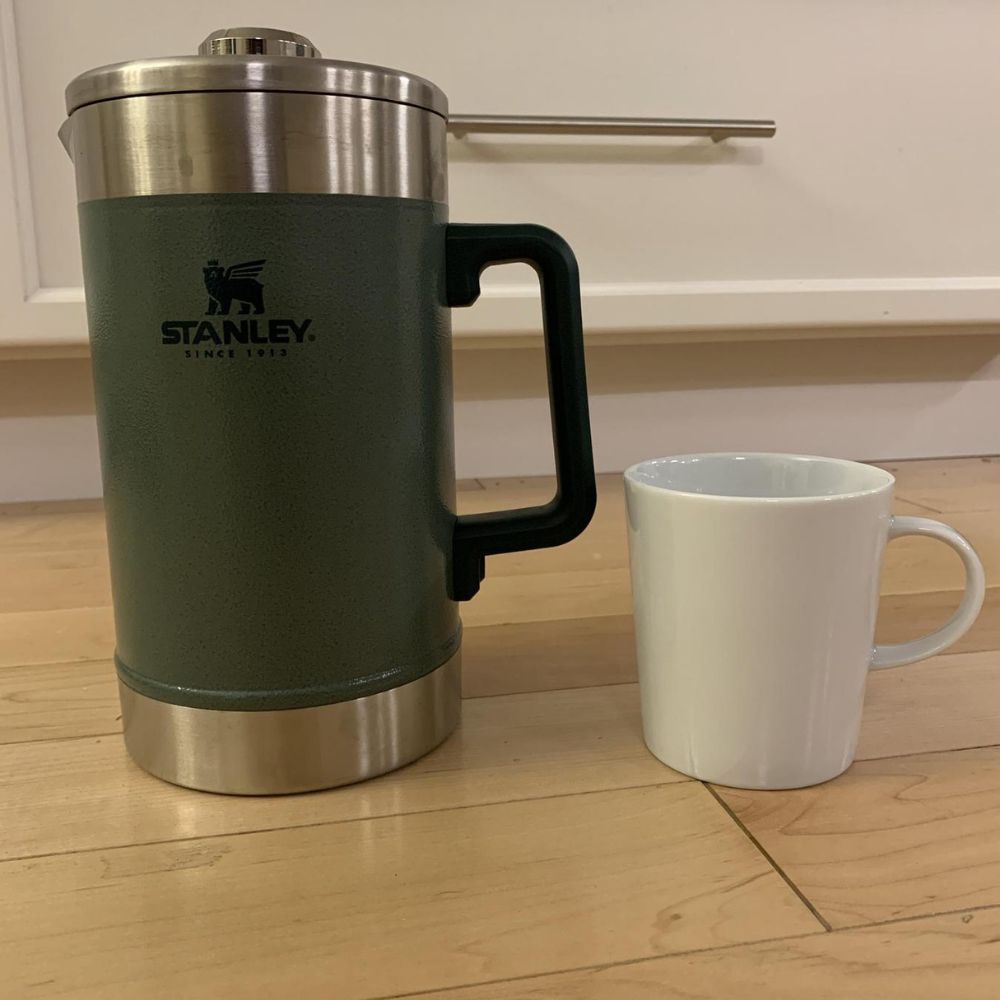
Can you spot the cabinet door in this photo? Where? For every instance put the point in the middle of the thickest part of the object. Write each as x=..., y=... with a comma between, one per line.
x=869, y=212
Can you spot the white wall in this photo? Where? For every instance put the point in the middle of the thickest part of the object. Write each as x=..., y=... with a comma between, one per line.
x=834, y=289
x=872, y=206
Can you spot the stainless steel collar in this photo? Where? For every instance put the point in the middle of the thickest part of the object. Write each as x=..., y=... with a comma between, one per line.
x=254, y=59
x=255, y=123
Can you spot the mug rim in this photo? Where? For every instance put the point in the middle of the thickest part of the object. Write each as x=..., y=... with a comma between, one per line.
x=631, y=477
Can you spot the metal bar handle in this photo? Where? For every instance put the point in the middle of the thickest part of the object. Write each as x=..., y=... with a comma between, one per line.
x=715, y=128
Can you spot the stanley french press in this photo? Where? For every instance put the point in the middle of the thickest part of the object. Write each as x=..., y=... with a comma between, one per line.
x=269, y=270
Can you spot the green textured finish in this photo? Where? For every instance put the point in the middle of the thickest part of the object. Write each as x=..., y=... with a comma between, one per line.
x=279, y=520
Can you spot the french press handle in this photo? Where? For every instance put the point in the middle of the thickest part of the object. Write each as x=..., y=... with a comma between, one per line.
x=470, y=249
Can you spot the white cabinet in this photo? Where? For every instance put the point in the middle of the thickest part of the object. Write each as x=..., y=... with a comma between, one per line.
x=874, y=209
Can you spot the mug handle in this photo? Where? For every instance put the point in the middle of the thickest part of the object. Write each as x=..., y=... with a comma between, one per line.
x=898, y=653
x=470, y=249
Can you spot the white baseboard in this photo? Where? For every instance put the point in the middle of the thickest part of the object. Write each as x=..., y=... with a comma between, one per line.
x=871, y=400
x=49, y=458
x=507, y=437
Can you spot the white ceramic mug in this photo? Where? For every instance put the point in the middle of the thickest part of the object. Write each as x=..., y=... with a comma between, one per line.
x=755, y=580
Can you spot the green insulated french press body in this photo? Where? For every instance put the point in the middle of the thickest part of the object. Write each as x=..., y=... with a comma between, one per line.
x=269, y=273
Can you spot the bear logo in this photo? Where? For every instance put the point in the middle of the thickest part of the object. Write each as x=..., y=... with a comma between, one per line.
x=235, y=283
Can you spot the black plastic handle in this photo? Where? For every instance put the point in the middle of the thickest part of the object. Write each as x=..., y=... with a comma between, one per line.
x=470, y=250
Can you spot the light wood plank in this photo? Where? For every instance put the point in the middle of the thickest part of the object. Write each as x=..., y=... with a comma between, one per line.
x=958, y=471
x=21, y=508
x=907, y=616
x=499, y=660
x=595, y=581
x=59, y=700
x=910, y=474
x=479, y=892
x=575, y=651
x=889, y=839
x=604, y=545
x=36, y=577
x=534, y=597
x=545, y=598
x=542, y=488
x=54, y=701
x=946, y=703
x=29, y=637
x=950, y=485
x=544, y=656
x=949, y=702
x=912, y=565
x=589, y=577
x=47, y=581
x=52, y=531
x=394, y=905
x=515, y=747
x=918, y=565
x=948, y=957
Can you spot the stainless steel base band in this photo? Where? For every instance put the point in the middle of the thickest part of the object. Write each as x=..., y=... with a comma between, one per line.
x=294, y=750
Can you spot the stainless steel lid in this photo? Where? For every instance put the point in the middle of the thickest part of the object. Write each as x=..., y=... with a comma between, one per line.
x=254, y=59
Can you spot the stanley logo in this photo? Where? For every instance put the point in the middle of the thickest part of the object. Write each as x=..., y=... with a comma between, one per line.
x=252, y=335
x=237, y=282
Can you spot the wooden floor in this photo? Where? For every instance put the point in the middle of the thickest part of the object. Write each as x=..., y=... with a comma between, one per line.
x=541, y=852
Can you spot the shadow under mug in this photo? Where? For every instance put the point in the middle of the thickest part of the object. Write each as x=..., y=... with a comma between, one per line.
x=755, y=583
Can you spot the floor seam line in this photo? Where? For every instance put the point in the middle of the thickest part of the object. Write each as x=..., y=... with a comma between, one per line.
x=599, y=967
x=915, y=917
x=806, y=902
x=57, y=739
x=335, y=822
x=927, y=753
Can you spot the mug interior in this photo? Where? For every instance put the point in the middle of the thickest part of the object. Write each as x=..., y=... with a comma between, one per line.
x=760, y=476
